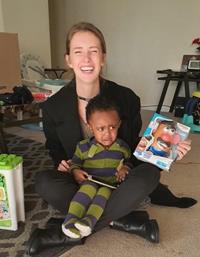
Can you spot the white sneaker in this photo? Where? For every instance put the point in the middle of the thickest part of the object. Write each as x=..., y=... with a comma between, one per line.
x=71, y=232
x=84, y=229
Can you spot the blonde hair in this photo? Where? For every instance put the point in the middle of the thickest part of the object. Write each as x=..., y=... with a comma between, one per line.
x=85, y=26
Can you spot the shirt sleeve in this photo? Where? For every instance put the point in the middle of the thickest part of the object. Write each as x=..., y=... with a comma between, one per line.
x=77, y=159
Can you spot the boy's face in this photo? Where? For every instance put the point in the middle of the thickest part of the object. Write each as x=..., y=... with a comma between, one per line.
x=105, y=125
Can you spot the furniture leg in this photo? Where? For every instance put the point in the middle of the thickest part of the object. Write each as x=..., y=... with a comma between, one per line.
x=187, y=91
x=3, y=145
x=198, y=85
x=175, y=96
x=162, y=97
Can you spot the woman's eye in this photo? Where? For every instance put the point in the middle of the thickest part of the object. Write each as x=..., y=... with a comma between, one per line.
x=77, y=52
x=95, y=51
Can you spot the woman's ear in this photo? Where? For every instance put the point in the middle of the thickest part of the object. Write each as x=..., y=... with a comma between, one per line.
x=67, y=59
x=103, y=60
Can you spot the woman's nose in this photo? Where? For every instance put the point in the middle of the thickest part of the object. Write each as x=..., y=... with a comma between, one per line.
x=86, y=56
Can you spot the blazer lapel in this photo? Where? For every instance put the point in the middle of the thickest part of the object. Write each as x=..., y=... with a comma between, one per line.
x=68, y=126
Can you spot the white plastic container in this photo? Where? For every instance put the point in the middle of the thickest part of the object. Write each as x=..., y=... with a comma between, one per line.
x=11, y=191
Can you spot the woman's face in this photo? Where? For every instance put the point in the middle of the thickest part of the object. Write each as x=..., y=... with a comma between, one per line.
x=86, y=57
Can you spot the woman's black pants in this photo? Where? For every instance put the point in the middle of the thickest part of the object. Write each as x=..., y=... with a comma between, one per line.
x=58, y=188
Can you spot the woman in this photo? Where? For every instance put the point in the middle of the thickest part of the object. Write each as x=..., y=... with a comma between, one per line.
x=64, y=122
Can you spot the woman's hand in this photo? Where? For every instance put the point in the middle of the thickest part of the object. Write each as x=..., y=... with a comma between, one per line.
x=64, y=165
x=182, y=148
x=80, y=175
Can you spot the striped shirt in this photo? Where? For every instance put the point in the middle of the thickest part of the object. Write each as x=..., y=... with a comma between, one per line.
x=99, y=161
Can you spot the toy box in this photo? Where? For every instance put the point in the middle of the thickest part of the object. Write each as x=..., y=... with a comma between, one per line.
x=159, y=141
x=10, y=70
x=11, y=191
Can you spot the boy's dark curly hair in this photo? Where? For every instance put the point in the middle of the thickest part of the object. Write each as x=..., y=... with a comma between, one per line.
x=100, y=103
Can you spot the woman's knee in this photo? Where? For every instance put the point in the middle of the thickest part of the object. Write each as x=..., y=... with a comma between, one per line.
x=151, y=175
x=146, y=176
x=148, y=170
x=156, y=173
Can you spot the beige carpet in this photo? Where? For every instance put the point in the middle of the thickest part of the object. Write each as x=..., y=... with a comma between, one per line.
x=179, y=228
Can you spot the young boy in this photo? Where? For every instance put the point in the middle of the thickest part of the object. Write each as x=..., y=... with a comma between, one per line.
x=104, y=157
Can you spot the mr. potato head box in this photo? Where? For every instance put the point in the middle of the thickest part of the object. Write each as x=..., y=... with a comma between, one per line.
x=158, y=144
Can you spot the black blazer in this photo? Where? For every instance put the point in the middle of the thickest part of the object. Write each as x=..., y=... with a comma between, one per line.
x=62, y=125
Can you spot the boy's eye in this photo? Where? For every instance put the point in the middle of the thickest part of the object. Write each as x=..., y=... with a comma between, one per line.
x=112, y=127
x=101, y=129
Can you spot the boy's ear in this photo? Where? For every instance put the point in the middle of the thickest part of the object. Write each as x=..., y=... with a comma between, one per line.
x=89, y=127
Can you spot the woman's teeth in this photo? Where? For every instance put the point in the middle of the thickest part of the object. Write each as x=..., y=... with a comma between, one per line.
x=87, y=68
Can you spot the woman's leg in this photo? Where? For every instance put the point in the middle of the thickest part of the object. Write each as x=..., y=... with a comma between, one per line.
x=137, y=186
x=163, y=196
x=56, y=188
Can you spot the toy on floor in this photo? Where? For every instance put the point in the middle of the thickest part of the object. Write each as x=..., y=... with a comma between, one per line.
x=11, y=191
x=191, y=117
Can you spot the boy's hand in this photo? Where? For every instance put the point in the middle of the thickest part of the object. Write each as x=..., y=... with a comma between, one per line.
x=121, y=173
x=80, y=175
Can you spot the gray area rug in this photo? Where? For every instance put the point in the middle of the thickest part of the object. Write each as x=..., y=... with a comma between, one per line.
x=13, y=243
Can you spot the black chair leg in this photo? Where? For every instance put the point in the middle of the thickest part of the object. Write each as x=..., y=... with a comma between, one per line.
x=175, y=96
x=162, y=97
x=3, y=145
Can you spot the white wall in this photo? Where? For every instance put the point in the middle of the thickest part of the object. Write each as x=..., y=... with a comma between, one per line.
x=57, y=12
x=142, y=36
x=30, y=19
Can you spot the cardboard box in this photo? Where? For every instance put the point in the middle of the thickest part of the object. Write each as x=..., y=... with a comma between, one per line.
x=10, y=73
x=158, y=144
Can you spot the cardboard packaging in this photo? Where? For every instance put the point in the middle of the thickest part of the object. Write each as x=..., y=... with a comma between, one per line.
x=11, y=191
x=158, y=144
x=10, y=72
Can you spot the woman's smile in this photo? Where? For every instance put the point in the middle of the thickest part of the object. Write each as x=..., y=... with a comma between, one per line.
x=87, y=69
